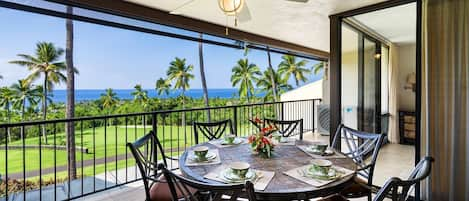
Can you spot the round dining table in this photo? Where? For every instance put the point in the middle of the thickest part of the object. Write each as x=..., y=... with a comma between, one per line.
x=284, y=158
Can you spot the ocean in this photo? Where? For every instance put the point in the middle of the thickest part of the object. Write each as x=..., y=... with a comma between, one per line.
x=60, y=95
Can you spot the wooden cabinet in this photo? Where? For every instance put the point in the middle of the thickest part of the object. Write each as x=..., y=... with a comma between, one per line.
x=407, y=129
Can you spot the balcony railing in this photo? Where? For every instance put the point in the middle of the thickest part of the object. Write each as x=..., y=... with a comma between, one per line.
x=35, y=166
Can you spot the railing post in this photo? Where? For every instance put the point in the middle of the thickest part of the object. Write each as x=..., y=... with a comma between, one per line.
x=282, y=110
x=154, y=149
x=314, y=115
x=301, y=129
x=153, y=122
x=235, y=119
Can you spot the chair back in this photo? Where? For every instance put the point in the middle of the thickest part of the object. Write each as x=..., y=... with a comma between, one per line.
x=182, y=187
x=287, y=128
x=212, y=130
x=399, y=189
x=145, y=151
x=359, y=147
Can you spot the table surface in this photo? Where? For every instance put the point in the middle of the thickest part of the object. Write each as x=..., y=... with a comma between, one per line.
x=284, y=158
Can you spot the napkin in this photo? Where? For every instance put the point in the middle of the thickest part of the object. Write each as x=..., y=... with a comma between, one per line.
x=296, y=173
x=219, y=142
x=260, y=183
x=336, y=154
x=289, y=141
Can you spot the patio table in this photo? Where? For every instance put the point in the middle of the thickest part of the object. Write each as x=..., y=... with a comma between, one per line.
x=281, y=187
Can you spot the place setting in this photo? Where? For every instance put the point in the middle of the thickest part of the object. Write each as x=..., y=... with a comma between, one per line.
x=202, y=155
x=281, y=140
x=227, y=141
x=320, y=150
x=240, y=172
x=319, y=172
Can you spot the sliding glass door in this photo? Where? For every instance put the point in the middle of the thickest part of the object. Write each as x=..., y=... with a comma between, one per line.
x=361, y=81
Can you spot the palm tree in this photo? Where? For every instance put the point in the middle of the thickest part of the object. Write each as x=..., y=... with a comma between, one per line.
x=202, y=76
x=45, y=63
x=141, y=96
x=25, y=92
x=7, y=97
x=272, y=77
x=70, y=106
x=244, y=74
x=181, y=74
x=266, y=85
x=109, y=99
x=162, y=86
x=318, y=67
x=289, y=67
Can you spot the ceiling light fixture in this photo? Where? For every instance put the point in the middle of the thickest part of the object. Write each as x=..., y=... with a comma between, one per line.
x=231, y=8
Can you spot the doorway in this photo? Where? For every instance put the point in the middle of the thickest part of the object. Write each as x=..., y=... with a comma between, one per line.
x=363, y=66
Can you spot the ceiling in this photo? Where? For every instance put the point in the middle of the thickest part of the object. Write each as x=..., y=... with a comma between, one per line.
x=396, y=24
x=306, y=24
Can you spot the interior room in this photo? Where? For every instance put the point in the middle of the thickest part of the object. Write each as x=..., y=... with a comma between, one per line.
x=382, y=43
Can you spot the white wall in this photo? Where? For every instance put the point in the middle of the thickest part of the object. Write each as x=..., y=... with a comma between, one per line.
x=406, y=66
x=307, y=108
x=308, y=91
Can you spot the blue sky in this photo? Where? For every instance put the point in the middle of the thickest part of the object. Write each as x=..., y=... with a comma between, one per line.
x=115, y=58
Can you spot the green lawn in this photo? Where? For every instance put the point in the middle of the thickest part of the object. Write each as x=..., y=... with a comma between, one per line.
x=115, y=141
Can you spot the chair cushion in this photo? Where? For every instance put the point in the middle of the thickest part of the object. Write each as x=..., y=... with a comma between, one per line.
x=334, y=197
x=160, y=191
x=359, y=188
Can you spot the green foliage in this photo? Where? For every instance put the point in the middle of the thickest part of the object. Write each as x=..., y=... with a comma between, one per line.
x=108, y=101
x=243, y=76
x=162, y=86
x=180, y=73
x=44, y=63
x=318, y=67
x=265, y=84
x=290, y=67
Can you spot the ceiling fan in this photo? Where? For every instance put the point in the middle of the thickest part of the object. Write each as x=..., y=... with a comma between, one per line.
x=237, y=8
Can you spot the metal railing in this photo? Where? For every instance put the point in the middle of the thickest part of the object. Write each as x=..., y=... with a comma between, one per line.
x=35, y=168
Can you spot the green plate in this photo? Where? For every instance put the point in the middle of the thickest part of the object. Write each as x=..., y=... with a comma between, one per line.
x=284, y=140
x=318, y=152
x=208, y=158
x=228, y=176
x=332, y=175
x=235, y=141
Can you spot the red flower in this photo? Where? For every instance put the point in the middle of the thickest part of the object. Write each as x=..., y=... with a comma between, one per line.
x=251, y=138
x=257, y=120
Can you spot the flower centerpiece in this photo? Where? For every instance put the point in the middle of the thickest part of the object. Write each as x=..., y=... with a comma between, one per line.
x=256, y=121
x=261, y=143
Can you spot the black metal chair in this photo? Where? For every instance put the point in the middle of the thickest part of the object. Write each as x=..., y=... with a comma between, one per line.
x=385, y=125
x=395, y=188
x=212, y=130
x=287, y=128
x=145, y=151
x=182, y=186
x=359, y=146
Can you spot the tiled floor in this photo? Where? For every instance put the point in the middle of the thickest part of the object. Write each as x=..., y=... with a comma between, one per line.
x=393, y=160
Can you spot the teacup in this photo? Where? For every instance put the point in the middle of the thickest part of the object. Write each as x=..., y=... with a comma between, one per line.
x=230, y=138
x=277, y=136
x=322, y=166
x=201, y=152
x=240, y=169
x=320, y=147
